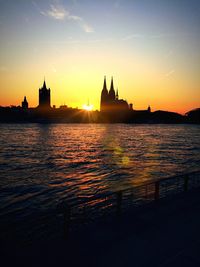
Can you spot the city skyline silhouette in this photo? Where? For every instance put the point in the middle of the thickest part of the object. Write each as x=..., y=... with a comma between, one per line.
x=99, y=133
x=113, y=109
x=150, y=48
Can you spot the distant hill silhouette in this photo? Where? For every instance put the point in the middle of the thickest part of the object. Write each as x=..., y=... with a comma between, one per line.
x=166, y=117
x=193, y=116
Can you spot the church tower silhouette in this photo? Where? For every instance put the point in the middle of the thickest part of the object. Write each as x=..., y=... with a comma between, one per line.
x=25, y=104
x=44, y=97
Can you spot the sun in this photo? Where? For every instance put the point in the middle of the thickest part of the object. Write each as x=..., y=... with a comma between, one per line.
x=88, y=107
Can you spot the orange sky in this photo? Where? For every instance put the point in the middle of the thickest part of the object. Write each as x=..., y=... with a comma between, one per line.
x=154, y=57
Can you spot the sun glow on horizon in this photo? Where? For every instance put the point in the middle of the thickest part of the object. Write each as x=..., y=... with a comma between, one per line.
x=153, y=56
x=88, y=107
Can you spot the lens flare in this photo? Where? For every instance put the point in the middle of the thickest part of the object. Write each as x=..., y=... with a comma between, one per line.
x=88, y=107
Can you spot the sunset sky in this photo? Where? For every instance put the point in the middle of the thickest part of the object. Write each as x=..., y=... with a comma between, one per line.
x=150, y=47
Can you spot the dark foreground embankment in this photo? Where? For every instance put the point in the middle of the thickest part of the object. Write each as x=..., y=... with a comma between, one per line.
x=166, y=233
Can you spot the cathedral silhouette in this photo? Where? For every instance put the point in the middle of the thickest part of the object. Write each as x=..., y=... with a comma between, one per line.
x=110, y=100
x=112, y=110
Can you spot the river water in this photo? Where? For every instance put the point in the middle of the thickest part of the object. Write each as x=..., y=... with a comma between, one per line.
x=41, y=165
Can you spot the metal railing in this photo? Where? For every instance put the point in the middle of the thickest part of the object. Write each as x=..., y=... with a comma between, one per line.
x=59, y=221
x=115, y=203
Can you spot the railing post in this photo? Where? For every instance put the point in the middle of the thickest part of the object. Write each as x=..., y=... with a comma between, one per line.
x=157, y=191
x=186, y=179
x=119, y=202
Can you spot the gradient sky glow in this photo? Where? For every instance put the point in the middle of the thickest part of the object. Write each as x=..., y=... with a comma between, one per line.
x=151, y=47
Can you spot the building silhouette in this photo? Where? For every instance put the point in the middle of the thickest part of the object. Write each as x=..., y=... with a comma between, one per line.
x=112, y=110
x=25, y=104
x=110, y=100
x=44, y=97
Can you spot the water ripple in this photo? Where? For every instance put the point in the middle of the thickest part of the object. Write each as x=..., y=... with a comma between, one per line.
x=41, y=165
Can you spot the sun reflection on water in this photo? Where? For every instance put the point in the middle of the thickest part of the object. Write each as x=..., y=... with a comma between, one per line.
x=70, y=161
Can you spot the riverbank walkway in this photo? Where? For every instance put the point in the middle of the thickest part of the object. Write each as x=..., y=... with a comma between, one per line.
x=165, y=233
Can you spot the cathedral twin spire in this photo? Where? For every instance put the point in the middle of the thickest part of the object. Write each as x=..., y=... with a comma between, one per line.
x=104, y=85
x=111, y=92
x=108, y=98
